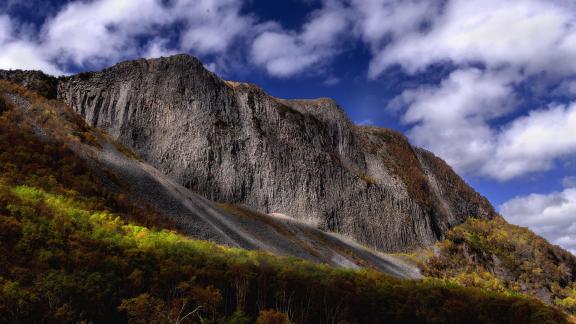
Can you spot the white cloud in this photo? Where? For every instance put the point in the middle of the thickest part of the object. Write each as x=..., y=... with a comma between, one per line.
x=212, y=25
x=552, y=215
x=454, y=120
x=377, y=19
x=285, y=53
x=534, y=142
x=102, y=32
x=108, y=29
x=18, y=53
x=157, y=48
x=532, y=35
x=515, y=41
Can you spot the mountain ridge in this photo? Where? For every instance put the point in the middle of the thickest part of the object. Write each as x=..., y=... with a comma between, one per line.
x=232, y=142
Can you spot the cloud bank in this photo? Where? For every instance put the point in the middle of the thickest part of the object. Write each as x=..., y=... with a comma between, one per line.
x=285, y=53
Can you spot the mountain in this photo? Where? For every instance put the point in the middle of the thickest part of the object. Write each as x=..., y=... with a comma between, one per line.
x=231, y=142
x=165, y=148
x=124, y=173
x=90, y=233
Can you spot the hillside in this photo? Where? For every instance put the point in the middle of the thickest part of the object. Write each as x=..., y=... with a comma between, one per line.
x=77, y=245
x=497, y=256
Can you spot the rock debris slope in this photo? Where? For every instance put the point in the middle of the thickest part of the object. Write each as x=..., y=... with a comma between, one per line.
x=233, y=143
x=239, y=226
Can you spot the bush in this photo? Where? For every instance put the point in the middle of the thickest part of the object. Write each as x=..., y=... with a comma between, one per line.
x=272, y=317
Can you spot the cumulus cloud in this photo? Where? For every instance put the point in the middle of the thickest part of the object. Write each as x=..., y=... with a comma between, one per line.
x=532, y=35
x=212, y=25
x=102, y=32
x=18, y=52
x=533, y=142
x=454, y=120
x=514, y=41
x=284, y=53
x=378, y=19
x=108, y=29
x=550, y=215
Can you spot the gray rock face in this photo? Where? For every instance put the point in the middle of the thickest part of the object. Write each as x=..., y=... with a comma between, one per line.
x=231, y=142
x=237, y=226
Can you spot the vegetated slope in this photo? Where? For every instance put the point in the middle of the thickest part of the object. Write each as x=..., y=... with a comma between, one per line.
x=134, y=181
x=37, y=81
x=497, y=256
x=71, y=250
x=233, y=143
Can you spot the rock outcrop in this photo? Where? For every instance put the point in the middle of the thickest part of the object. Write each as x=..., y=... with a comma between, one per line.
x=231, y=142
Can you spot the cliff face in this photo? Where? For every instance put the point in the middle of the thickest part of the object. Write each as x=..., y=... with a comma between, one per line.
x=233, y=143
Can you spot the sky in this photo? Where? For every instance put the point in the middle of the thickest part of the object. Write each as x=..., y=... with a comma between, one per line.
x=488, y=85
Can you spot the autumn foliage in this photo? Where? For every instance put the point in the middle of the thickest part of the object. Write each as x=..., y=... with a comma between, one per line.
x=496, y=256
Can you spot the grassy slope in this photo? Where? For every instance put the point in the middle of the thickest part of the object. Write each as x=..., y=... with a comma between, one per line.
x=71, y=250
x=497, y=256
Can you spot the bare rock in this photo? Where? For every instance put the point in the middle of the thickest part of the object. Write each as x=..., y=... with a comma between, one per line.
x=231, y=142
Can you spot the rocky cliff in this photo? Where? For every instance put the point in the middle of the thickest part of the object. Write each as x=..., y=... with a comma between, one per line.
x=231, y=142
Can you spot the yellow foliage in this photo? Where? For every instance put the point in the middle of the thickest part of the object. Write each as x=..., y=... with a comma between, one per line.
x=520, y=262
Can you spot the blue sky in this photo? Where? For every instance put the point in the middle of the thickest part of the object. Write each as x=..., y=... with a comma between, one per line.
x=490, y=86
